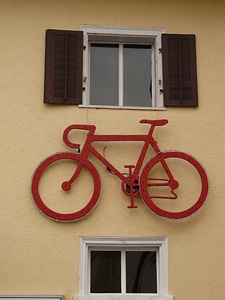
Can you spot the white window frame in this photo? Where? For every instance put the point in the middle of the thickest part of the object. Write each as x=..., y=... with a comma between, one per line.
x=118, y=34
x=160, y=245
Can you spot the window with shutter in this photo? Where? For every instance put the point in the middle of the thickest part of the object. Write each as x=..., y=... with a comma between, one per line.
x=63, y=67
x=120, y=67
x=179, y=70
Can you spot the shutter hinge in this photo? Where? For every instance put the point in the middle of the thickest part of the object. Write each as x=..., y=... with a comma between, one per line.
x=84, y=47
x=161, y=91
x=160, y=50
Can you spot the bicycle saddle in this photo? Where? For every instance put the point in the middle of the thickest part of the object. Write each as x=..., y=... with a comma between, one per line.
x=155, y=122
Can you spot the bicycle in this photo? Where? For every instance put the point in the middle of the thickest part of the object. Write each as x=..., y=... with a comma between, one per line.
x=139, y=181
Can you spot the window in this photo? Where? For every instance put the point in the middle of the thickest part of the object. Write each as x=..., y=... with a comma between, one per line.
x=139, y=267
x=120, y=67
x=123, y=268
x=120, y=75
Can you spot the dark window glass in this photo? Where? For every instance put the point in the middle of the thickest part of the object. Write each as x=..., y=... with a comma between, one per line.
x=137, y=75
x=104, y=74
x=141, y=272
x=104, y=70
x=105, y=272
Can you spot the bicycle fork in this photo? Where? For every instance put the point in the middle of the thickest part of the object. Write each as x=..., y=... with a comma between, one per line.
x=66, y=185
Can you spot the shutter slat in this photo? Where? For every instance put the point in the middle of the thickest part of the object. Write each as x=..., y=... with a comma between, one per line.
x=179, y=70
x=63, y=67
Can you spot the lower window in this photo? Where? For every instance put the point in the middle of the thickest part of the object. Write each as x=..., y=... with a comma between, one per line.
x=120, y=268
x=139, y=268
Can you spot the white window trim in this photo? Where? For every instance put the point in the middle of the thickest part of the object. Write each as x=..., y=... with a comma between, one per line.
x=160, y=244
x=154, y=34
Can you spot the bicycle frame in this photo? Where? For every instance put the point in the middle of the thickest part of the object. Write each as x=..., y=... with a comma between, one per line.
x=132, y=179
x=121, y=138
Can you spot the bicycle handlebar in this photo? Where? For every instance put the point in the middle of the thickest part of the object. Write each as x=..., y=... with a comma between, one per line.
x=90, y=128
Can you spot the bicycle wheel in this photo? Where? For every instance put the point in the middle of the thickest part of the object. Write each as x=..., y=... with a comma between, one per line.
x=189, y=190
x=66, y=204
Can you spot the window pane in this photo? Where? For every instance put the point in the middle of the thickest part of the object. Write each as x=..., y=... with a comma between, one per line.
x=141, y=272
x=137, y=75
x=104, y=66
x=105, y=272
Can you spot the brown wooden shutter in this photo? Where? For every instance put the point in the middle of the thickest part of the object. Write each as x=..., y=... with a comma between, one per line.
x=63, y=67
x=179, y=70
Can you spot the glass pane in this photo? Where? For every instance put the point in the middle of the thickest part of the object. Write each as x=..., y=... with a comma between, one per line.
x=105, y=272
x=104, y=66
x=137, y=75
x=141, y=272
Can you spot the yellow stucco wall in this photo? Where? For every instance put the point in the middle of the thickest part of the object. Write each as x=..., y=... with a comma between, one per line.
x=40, y=256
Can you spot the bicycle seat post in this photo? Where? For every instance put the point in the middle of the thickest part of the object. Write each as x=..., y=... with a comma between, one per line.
x=130, y=167
x=131, y=188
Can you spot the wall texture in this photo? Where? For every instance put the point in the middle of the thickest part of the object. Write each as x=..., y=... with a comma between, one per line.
x=40, y=256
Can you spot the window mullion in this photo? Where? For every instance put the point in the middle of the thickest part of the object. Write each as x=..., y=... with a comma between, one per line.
x=123, y=272
x=120, y=75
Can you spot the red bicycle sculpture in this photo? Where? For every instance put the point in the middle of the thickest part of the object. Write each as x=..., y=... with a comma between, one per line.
x=146, y=181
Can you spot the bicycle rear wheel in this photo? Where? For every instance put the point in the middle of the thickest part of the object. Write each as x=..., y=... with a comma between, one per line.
x=181, y=200
x=60, y=204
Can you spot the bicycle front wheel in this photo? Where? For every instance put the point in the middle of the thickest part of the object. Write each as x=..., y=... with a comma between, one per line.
x=69, y=204
x=173, y=185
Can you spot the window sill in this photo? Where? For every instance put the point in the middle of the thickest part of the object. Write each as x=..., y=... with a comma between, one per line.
x=122, y=297
x=121, y=107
